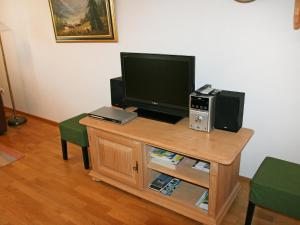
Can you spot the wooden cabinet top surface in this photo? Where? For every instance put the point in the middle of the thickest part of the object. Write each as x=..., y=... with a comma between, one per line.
x=217, y=146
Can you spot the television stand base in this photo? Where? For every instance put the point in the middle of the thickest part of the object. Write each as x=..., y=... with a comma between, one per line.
x=163, y=117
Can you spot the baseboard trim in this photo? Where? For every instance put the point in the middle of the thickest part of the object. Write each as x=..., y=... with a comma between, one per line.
x=7, y=109
x=247, y=179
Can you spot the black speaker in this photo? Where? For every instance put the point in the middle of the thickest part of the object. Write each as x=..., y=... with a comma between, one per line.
x=229, y=110
x=116, y=91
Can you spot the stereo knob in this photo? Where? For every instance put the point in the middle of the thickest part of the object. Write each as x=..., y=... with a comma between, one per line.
x=198, y=118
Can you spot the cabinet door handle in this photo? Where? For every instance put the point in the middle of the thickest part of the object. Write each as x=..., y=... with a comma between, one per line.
x=136, y=167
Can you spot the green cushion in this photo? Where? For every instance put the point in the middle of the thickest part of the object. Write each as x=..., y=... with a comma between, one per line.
x=72, y=131
x=276, y=185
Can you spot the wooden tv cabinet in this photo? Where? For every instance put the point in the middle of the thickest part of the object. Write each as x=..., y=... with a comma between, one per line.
x=120, y=156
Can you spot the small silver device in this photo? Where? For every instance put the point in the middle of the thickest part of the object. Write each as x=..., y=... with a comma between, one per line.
x=113, y=115
x=202, y=108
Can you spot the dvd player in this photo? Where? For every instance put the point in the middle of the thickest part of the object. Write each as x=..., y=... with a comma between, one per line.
x=113, y=115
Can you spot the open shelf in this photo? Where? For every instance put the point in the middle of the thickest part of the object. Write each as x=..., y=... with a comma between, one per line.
x=185, y=193
x=183, y=170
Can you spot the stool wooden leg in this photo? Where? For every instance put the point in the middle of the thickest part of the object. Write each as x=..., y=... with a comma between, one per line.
x=85, y=156
x=64, y=149
x=250, y=212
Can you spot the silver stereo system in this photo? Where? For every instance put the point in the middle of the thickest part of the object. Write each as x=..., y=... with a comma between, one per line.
x=202, y=108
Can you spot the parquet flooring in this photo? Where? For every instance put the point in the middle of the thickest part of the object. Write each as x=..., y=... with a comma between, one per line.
x=42, y=189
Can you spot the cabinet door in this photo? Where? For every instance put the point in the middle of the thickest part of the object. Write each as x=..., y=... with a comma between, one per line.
x=117, y=157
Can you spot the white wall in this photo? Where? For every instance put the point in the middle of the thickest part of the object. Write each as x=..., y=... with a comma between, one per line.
x=243, y=47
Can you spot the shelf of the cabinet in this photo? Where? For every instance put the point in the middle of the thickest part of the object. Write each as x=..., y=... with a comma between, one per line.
x=185, y=193
x=184, y=171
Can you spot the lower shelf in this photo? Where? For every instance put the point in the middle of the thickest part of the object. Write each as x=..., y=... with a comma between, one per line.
x=185, y=193
x=177, y=204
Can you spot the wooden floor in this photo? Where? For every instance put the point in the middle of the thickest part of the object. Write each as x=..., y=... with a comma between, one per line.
x=42, y=189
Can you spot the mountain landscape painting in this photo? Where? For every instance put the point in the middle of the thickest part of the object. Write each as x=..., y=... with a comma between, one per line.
x=83, y=20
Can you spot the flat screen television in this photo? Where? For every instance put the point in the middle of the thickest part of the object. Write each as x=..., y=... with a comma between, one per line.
x=158, y=85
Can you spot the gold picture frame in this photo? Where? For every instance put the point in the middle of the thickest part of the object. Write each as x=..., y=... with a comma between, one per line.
x=297, y=15
x=245, y=1
x=83, y=20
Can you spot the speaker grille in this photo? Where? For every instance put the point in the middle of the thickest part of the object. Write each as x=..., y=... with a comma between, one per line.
x=116, y=91
x=229, y=110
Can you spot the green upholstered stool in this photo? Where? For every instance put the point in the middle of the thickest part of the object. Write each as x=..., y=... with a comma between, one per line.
x=276, y=186
x=72, y=131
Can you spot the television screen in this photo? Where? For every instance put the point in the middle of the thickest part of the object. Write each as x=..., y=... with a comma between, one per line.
x=159, y=83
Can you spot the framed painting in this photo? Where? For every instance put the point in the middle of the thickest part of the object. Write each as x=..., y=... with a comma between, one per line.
x=83, y=20
x=297, y=15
